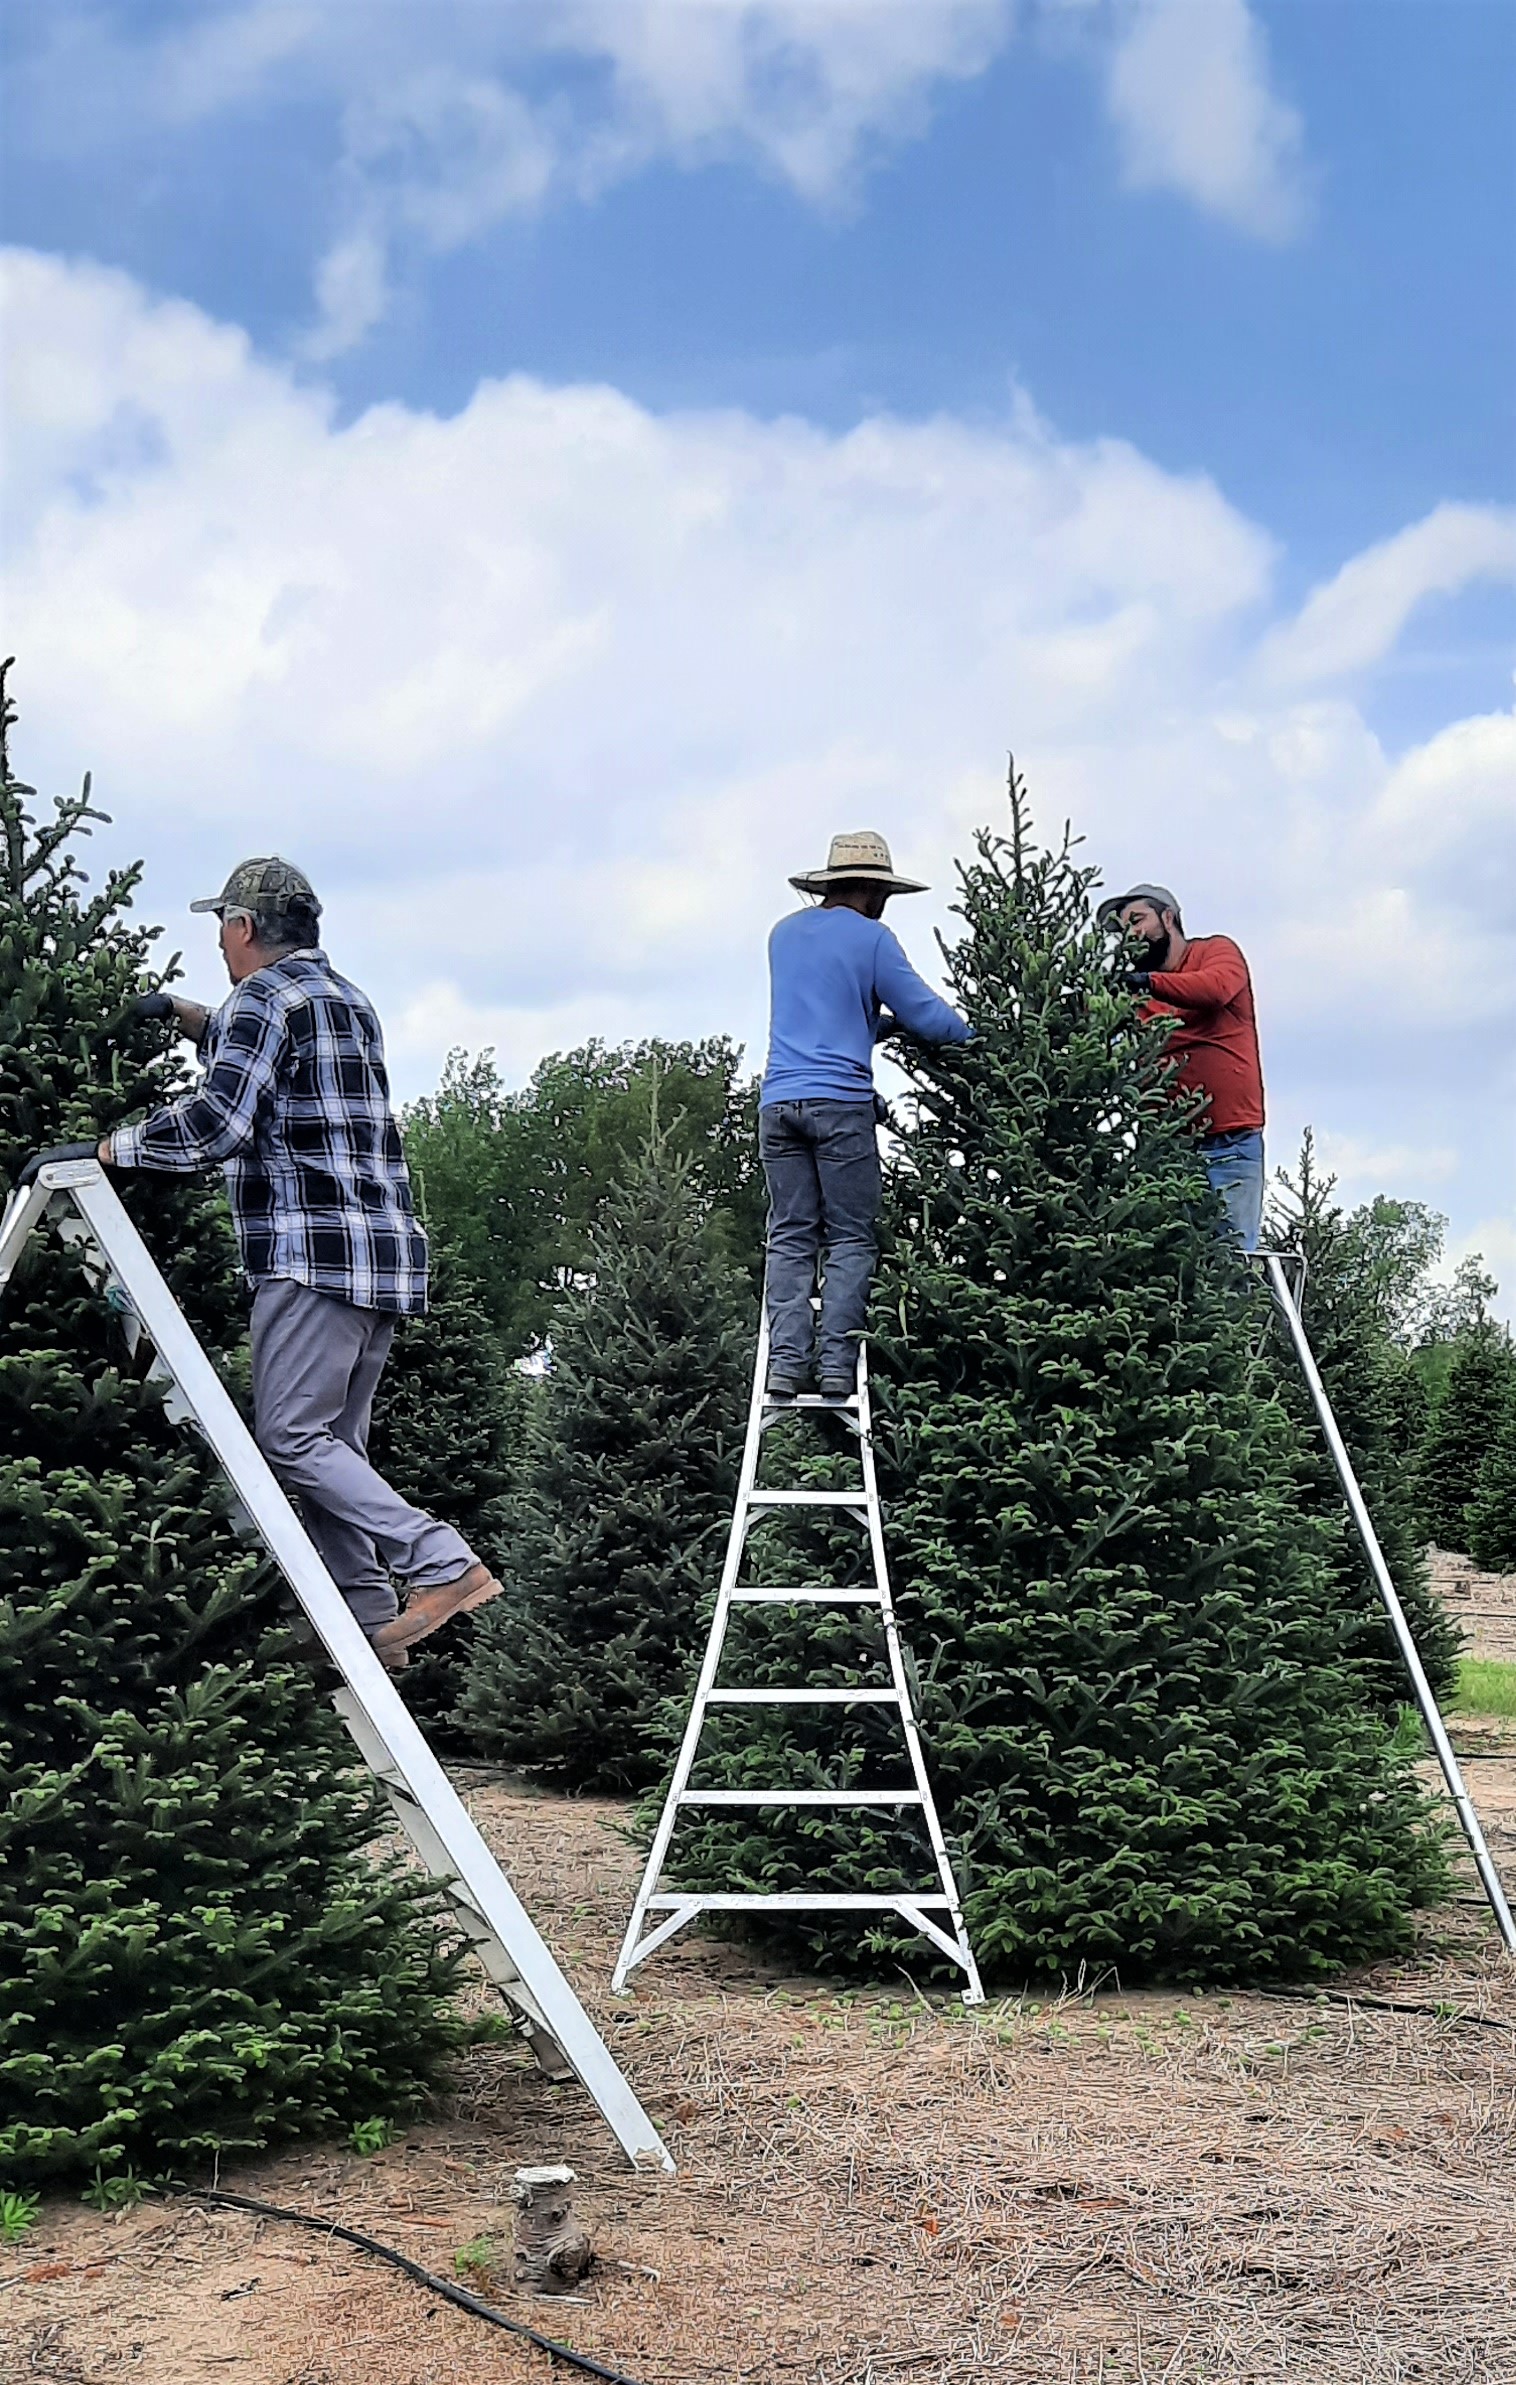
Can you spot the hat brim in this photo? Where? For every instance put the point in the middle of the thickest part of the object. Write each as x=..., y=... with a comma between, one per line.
x=212, y=902
x=818, y=881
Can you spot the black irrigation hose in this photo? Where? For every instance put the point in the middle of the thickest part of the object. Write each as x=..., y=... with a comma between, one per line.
x=1350, y=1997
x=444, y=2286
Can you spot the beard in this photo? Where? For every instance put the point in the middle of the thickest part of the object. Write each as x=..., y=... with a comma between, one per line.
x=1156, y=950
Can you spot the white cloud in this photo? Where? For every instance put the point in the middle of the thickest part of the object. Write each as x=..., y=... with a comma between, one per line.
x=1354, y=620
x=1188, y=90
x=553, y=695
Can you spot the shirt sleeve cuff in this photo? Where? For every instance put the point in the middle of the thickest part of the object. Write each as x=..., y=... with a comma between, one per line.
x=126, y=1146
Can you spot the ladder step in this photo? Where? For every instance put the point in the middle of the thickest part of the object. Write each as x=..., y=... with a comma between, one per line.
x=698, y=1902
x=802, y=1697
x=858, y=1498
x=822, y=1595
x=801, y=1797
x=808, y=1399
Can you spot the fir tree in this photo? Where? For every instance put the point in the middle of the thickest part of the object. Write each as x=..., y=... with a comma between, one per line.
x=444, y=1420
x=195, y=1952
x=1366, y=1376
x=1492, y=1511
x=1465, y=1425
x=1149, y=1748
x=613, y=1544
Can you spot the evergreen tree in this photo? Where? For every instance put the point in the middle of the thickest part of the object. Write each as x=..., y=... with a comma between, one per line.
x=1366, y=1376
x=612, y=1545
x=195, y=1952
x=1492, y=1511
x=1465, y=1426
x=444, y=1421
x=1148, y=1745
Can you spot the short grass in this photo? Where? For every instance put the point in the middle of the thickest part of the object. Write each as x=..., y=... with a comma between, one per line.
x=1485, y=1686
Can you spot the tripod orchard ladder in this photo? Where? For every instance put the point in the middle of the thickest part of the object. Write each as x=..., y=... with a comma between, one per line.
x=1278, y=1266
x=861, y=1504
x=74, y=1197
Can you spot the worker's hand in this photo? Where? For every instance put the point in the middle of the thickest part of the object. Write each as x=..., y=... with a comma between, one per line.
x=104, y=1153
x=154, y=1006
x=1138, y=981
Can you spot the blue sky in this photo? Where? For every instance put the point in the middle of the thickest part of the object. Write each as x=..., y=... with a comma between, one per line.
x=688, y=423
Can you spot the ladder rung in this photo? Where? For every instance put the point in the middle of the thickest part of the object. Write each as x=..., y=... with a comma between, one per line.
x=801, y=1797
x=801, y=1697
x=815, y=1596
x=858, y=1498
x=696, y=1902
x=808, y=1399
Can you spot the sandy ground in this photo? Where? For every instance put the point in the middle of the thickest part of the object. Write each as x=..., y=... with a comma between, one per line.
x=881, y=2189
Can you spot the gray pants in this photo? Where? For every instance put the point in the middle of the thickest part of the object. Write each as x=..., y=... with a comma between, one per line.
x=316, y=1366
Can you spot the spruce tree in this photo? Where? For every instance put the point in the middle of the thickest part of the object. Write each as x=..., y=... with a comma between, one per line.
x=1150, y=1748
x=611, y=1547
x=444, y=1420
x=1492, y=1510
x=196, y=1954
x=1465, y=1426
x=1365, y=1374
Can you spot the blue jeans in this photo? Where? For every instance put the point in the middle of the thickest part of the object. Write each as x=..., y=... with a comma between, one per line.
x=1234, y=1164
x=821, y=1164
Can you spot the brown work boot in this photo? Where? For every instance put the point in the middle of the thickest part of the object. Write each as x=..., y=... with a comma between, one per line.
x=426, y=1610
x=394, y=1660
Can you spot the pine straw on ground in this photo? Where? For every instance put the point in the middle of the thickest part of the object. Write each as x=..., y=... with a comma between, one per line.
x=876, y=2189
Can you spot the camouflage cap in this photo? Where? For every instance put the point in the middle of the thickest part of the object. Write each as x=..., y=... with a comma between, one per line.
x=263, y=887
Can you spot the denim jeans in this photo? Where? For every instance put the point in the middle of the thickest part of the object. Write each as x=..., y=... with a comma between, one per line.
x=1234, y=1164
x=821, y=1163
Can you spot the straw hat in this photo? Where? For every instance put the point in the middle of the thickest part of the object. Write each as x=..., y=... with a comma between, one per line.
x=863, y=855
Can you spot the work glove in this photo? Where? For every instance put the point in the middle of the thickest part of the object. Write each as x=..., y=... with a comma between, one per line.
x=1138, y=981
x=153, y=1006
x=56, y=1152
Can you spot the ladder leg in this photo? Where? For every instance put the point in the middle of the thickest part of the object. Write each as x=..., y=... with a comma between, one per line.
x=22, y=1211
x=1405, y=1639
x=387, y=1738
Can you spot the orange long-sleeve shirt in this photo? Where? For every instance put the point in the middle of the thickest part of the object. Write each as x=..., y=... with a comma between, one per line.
x=1216, y=1041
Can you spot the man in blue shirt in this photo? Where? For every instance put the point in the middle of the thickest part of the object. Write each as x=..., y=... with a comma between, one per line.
x=839, y=981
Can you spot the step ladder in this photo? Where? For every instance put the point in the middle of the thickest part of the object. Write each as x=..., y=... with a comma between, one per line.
x=937, y=1913
x=76, y=1200
x=1285, y=1274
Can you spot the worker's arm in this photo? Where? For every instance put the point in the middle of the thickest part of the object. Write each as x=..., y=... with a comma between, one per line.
x=218, y=1119
x=911, y=999
x=1220, y=981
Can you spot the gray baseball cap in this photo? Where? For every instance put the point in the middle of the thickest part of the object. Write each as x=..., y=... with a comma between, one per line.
x=1161, y=898
x=267, y=885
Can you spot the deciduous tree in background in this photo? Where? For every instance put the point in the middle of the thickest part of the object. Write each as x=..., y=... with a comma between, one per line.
x=1151, y=1747
x=196, y=1953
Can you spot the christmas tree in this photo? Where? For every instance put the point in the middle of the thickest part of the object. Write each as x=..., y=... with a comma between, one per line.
x=1492, y=1510
x=612, y=1546
x=1465, y=1426
x=1151, y=1749
x=1366, y=1375
x=446, y=1415
x=195, y=1952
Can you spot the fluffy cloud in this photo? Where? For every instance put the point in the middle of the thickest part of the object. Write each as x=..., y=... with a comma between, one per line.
x=451, y=118
x=1188, y=89
x=553, y=695
x=1355, y=619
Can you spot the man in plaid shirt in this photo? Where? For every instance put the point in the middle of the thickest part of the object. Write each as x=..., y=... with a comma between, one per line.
x=294, y=1104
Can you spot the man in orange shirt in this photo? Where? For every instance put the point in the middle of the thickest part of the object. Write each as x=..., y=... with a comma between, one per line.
x=1203, y=982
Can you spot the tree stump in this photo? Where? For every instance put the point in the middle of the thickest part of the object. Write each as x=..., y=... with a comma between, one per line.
x=552, y=2250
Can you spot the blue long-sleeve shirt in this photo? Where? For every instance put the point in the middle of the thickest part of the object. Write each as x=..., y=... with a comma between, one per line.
x=831, y=974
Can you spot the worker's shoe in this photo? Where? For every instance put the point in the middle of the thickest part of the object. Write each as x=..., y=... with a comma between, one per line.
x=425, y=1611
x=784, y=1387
x=838, y=1387
x=394, y=1660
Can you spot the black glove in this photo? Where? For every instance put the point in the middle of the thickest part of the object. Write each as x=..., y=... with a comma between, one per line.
x=153, y=1006
x=1138, y=981
x=56, y=1151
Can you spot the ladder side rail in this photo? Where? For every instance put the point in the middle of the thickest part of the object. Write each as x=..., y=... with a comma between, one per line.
x=22, y=1211
x=689, y=1745
x=947, y=1879
x=374, y=1695
x=1431, y=1714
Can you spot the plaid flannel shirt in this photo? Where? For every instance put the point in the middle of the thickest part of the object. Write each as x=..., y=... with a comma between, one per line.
x=295, y=1105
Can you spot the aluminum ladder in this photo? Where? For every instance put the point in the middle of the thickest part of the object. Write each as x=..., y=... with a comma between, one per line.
x=674, y=1908
x=75, y=1198
x=1284, y=1272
